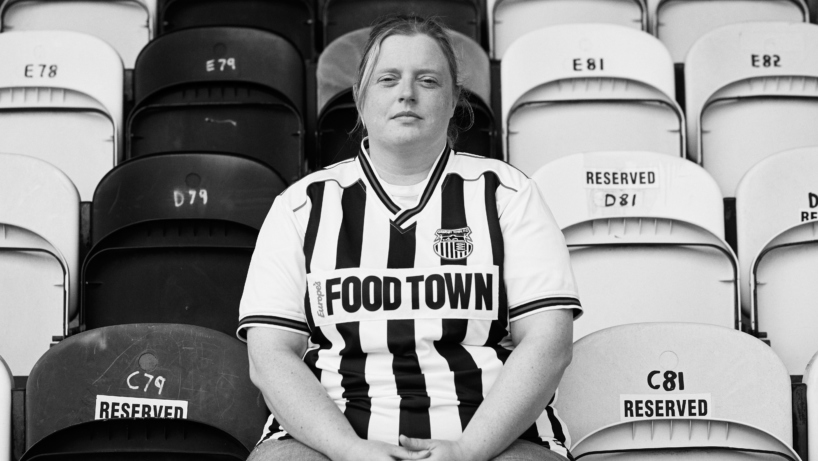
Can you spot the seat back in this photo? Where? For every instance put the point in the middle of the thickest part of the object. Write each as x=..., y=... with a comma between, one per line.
x=39, y=257
x=127, y=25
x=750, y=88
x=591, y=88
x=292, y=19
x=173, y=236
x=776, y=209
x=343, y=16
x=338, y=70
x=657, y=237
x=229, y=90
x=61, y=101
x=6, y=386
x=509, y=20
x=159, y=371
x=679, y=23
x=811, y=380
x=686, y=390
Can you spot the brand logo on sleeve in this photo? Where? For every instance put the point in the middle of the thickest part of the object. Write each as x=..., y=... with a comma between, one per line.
x=453, y=244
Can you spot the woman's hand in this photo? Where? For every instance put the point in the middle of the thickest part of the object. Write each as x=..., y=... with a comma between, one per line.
x=439, y=450
x=380, y=451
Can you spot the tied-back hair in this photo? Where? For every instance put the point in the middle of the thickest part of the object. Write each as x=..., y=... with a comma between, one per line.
x=410, y=26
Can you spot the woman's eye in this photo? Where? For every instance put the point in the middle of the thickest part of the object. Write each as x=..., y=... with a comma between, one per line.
x=428, y=81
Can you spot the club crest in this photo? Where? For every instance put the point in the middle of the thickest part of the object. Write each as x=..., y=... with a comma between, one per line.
x=453, y=244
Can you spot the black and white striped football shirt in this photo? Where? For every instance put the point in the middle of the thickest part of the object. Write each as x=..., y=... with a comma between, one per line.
x=408, y=309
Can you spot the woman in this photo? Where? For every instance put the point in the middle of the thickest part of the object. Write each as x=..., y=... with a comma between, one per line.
x=431, y=290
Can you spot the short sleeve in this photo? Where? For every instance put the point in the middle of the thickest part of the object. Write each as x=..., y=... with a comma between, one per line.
x=276, y=281
x=537, y=268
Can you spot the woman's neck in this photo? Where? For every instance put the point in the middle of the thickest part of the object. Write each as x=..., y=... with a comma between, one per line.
x=403, y=166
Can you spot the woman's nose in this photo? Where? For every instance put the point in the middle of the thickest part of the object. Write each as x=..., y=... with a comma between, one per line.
x=407, y=91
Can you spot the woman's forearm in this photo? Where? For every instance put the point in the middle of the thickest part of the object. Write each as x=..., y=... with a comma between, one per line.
x=298, y=401
x=529, y=378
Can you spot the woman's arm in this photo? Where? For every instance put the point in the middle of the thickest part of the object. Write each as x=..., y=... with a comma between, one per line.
x=525, y=385
x=301, y=404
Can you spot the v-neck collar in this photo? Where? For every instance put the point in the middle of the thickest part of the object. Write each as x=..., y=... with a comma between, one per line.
x=401, y=216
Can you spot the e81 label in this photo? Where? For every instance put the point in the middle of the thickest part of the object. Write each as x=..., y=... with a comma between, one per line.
x=581, y=64
x=669, y=380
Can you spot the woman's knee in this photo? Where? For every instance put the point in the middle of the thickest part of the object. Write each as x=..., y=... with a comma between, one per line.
x=522, y=450
x=285, y=450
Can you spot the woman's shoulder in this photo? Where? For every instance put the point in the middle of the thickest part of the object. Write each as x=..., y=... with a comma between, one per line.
x=472, y=167
x=344, y=174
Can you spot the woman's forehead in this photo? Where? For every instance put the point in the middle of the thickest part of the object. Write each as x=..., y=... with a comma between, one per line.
x=415, y=52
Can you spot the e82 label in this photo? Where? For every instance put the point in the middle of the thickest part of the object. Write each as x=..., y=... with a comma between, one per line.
x=765, y=60
x=669, y=380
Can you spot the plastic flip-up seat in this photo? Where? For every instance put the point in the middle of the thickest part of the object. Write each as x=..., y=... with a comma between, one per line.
x=127, y=25
x=509, y=20
x=39, y=258
x=679, y=23
x=292, y=19
x=61, y=101
x=6, y=386
x=343, y=16
x=337, y=72
x=750, y=92
x=811, y=380
x=223, y=90
x=646, y=237
x=676, y=391
x=777, y=229
x=584, y=88
x=143, y=392
x=172, y=240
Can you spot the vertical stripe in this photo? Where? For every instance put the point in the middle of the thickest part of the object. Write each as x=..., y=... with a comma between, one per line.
x=400, y=336
x=315, y=193
x=499, y=329
x=353, y=359
x=468, y=383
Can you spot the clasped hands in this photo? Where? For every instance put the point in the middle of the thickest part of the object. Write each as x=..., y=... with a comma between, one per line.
x=409, y=449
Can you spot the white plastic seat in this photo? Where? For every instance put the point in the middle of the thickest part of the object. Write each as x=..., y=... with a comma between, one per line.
x=811, y=380
x=679, y=23
x=739, y=388
x=650, y=252
x=777, y=224
x=39, y=258
x=750, y=92
x=61, y=101
x=127, y=25
x=584, y=88
x=509, y=20
x=6, y=385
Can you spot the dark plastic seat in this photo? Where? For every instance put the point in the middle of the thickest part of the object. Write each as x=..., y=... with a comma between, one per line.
x=201, y=374
x=343, y=16
x=223, y=90
x=172, y=240
x=292, y=19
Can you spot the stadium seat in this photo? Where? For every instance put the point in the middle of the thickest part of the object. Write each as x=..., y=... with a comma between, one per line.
x=811, y=380
x=584, y=88
x=679, y=23
x=222, y=90
x=750, y=92
x=338, y=70
x=126, y=25
x=676, y=391
x=292, y=19
x=651, y=250
x=39, y=258
x=172, y=239
x=144, y=391
x=777, y=220
x=61, y=101
x=6, y=385
x=343, y=16
x=509, y=20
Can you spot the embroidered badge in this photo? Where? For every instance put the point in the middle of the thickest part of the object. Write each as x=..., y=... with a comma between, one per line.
x=453, y=244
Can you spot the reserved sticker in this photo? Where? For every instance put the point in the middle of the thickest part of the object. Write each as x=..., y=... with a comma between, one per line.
x=114, y=407
x=656, y=406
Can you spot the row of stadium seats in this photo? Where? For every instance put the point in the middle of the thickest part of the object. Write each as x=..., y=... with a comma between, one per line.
x=496, y=24
x=749, y=93
x=171, y=238
x=638, y=391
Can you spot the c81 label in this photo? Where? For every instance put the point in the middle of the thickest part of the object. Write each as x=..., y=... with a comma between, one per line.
x=669, y=381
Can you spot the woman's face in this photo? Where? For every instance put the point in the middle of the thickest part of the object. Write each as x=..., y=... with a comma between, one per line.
x=409, y=100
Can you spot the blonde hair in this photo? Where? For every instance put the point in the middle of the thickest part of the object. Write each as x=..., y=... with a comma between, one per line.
x=409, y=26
